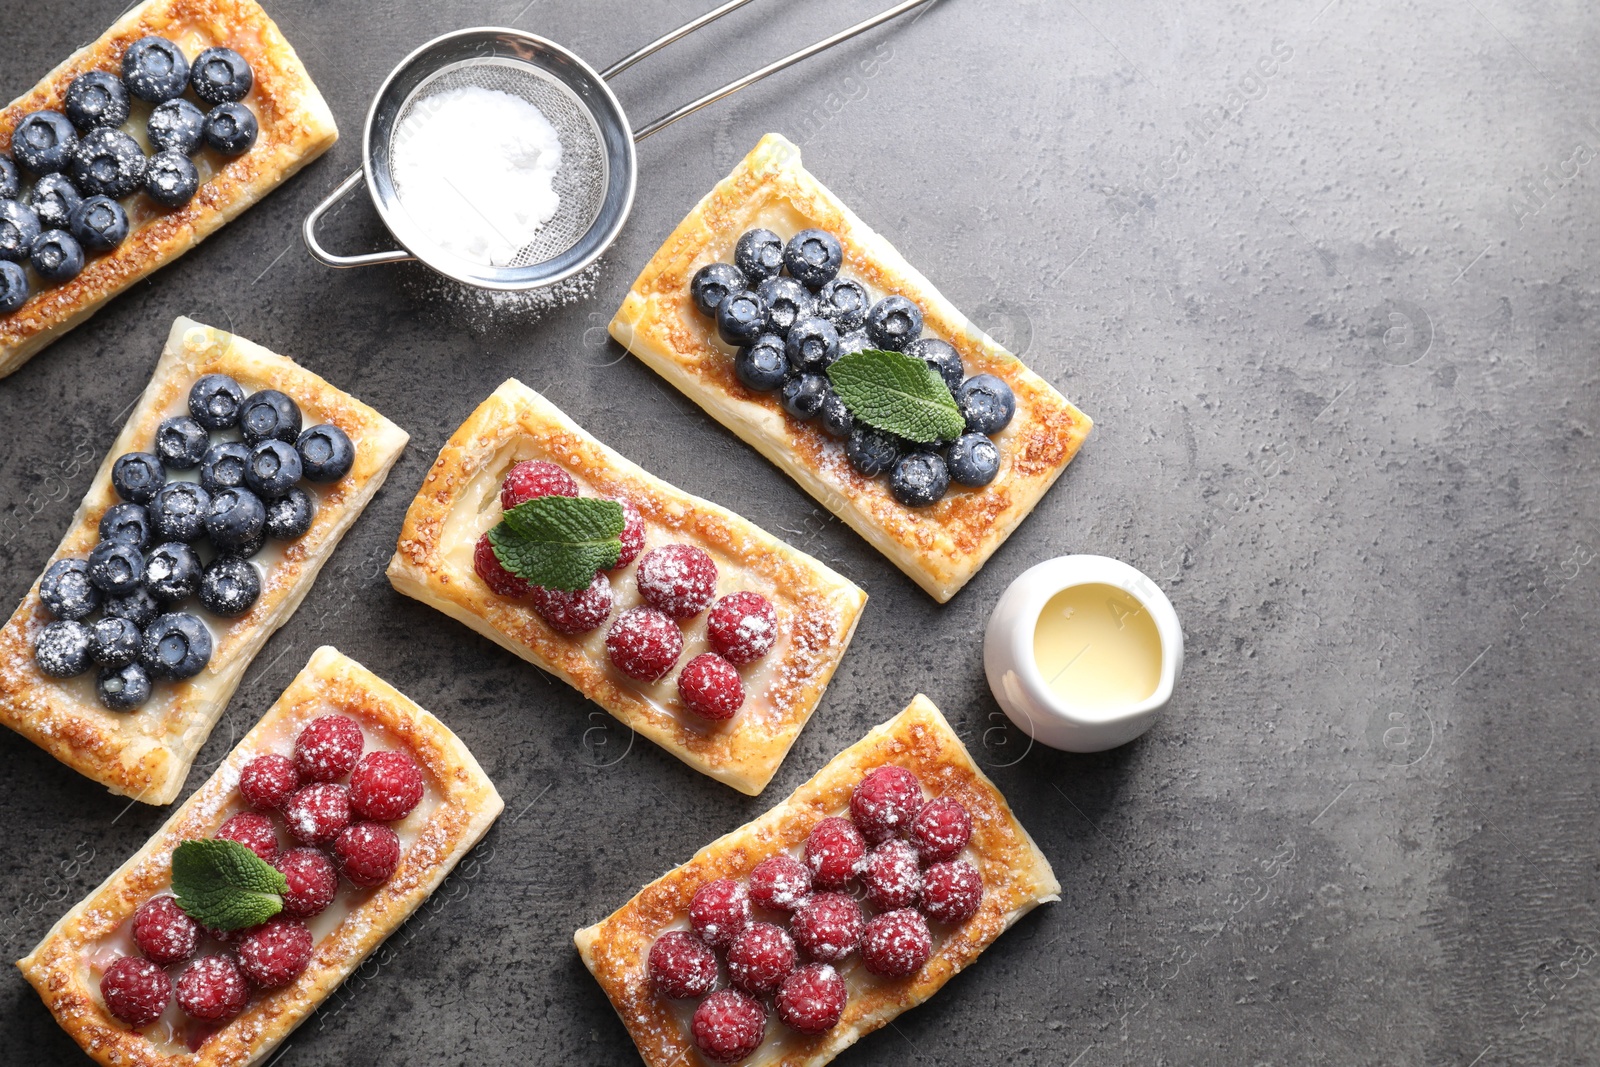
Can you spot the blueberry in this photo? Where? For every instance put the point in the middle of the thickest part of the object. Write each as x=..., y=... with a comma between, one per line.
x=787, y=301
x=223, y=465
x=138, y=607
x=230, y=587
x=741, y=317
x=116, y=567
x=10, y=180
x=237, y=518
x=290, y=516
x=176, y=125
x=181, y=442
x=97, y=98
x=761, y=365
x=894, y=322
x=266, y=414
x=835, y=417
x=172, y=572
x=178, y=512
x=220, y=76
x=108, y=163
x=812, y=345
x=128, y=523
x=230, y=129
x=67, y=591
x=919, y=479
x=19, y=226
x=54, y=199
x=250, y=547
x=713, y=282
x=123, y=688
x=987, y=402
x=116, y=641
x=844, y=303
x=13, y=287
x=803, y=395
x=871, y=452
x=56, y=256
x=272, y=469
x=326, y=454
x=215, y=400
x=43, y=142
x=170, y=178
x=154, y=69
x=759, y=254
x=100, y=224
x=136, y=476
x=176, y=645
x=813, y=257
x=941, y=356
x=63, y=648
x=973, y=459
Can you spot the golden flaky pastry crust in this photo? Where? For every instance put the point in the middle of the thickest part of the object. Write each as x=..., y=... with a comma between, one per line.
x=296, y=127
x=940, y=547
x=817, y=609
x=145, y=753
x=1016, y=879
x=459, y=806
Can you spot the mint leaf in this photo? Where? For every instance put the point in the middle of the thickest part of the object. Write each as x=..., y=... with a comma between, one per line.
x=559, y=542
x=898, y=394
x=223, y=885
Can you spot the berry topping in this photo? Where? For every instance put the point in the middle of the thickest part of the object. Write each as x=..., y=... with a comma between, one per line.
x=115, y=567
x=759, y=254
x=499, y=580
x=728, y=1026
x=220, y=75
x=813, y=257
x=155, y=69
x=987, y=403
x=13, y=282
x=680, y=580
x=896, y=943
x=172, y=571
x=741, y=317
x=269, y=781
x=178, y=512
x=289, y=517
x=941, y=356
x=96, y=98
x=18, y=228
x=385, y=786
x=66, y=588
x=10, y=180
x=761, y=958
x=107, y=163
x=761, y=364
x=254, y=831
x=892, y=877
x=894, y=322
x=138, y=607
x=328, y=748
x=214, y=401
x=710, y=687
x=844, y=303
x=951, y=892
x=720, y=911
x=788, y=302
x=803, y=395
x=275, y=952
x=125, y=522
x=54, y=200
x=886, y=802
x=742, y=627
x=123, y=688
x=682, y=965
x=238, y=519
x=367, y=853
x=64, y=648
x=919, y=479
x=827, y=926
x=176, y=124
x=163, y=932
x=56, y=256
x=317, y=813
x=871, y=452
x=713, y=282
x=43, y=141
x=834, y=417
x=812, y=999
x=99, y=223
x=835, y=852
x=230, y=586
x=136, y=476
x=973, y=459
x=213, y=988
x=812, y=345
x=268, y=414
x=231, y=129
x=135, y=990
x=780, y=883
x=272, y=469
x=632, y=534
x=644, y=644
x=941, y=830
x=326, y=453
x=116, y=641
x=171, y=179
x=535, y=478
x=574, y=613
x=313, y=882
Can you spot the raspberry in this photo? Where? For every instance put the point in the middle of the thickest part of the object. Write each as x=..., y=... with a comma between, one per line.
x=812, y=999
x=328, y=748
x=780, y=883
x=896, y=943
x=367, y=853
x=678, y=579
x=163, y=932
x=710, y=687
x=135, y=990
x=532, y=479
x=254, y=831
x=941, y=830
x=827, y=926
x=761, y=958
x=574, y=613
x=742, y=627
x=276, y=952
x=317, y=813
x=951, y=892
x=313, y=883
x=213, y=988
x=632, y=534
x=267, y=781
x=682, y=965
x=644, y=644
x=728, y=1026
x=886, y=802
x=385, y=786
x=835, y=852
x=892, y=877
x=720, y=911
x=500, y=581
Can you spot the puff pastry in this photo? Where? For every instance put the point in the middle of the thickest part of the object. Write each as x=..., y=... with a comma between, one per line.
x=458, y=806
x=940, y=547
x=145, y=754
x=296, y=127
x=1016, y=878
x=817, y=608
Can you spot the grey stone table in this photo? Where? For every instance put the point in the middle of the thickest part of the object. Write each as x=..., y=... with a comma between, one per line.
x=1315, y=267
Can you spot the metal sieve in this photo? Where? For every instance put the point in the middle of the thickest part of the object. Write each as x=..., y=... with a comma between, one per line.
x=596, y=178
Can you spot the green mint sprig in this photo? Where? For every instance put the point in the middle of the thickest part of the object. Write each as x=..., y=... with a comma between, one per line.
x=223, y=885
x=559, y=542
x=898, y=394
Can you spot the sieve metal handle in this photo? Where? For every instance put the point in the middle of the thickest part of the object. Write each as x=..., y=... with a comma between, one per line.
x=309, y=231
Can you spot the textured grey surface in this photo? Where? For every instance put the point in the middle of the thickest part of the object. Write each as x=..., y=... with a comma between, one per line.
x=1339, y=347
